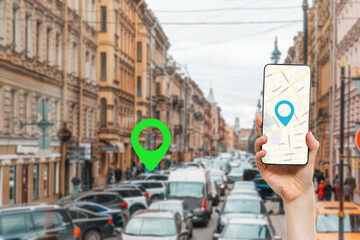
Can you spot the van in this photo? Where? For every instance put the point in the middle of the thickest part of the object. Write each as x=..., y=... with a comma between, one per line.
x=193, y=185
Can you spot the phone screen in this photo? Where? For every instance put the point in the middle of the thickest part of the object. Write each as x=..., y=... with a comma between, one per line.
x=286, y=105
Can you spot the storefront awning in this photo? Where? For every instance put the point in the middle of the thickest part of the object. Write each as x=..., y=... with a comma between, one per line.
x=121, y=147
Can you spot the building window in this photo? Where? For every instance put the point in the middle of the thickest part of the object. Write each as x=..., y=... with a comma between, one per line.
x=36, y=181
x=139, y=51
x=103, y=113
x=16, y=26
x=76, y=59
x=25, y=109
x=103, y=19
x=115, y=67
x=58, y=51
x=48, y=45
x=214, y=120
x=46, y=180
x=138, y=116
x=27, y=35
x=38, y=39
x=157, y=115
x=93, y=70
x=92, y=123
x=2, y=22
x=73, y=119
x=116, y=22
x=138, y=86
x=103, y=65
x=12, y=184
x=157, y=89
x=87, y=67
x=86, y=121
x=56, y=178
x=214, y=131
x=115, y=114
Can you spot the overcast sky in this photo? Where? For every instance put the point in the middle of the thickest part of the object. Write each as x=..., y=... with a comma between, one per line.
x=229, y=58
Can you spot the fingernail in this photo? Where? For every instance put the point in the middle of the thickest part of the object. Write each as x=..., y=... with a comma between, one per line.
x=312, y=135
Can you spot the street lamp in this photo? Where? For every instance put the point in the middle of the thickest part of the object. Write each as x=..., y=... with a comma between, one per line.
x=275, y=55
x=305, y=7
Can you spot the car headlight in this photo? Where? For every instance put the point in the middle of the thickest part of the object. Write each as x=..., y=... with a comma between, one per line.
x=214, y=195
x=222, y=186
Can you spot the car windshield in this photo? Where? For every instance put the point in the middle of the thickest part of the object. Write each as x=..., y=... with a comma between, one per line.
x=140, y=177
x=216, y=178
x=246, y=231
x=146, y=227
x=243, y=187
x=243, y=206
x=242, y=193
x=237, y=171
x=185, y=189
x=170, y=207
x=327, y=223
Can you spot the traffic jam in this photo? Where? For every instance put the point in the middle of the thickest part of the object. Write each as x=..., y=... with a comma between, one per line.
x=221, y=197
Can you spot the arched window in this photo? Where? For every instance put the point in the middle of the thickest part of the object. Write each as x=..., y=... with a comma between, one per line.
x=103, y=113
x=138, y=116
x=115, y=114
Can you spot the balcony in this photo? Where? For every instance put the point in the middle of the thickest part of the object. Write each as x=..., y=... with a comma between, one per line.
x=160, y=99
x=180, y=104
x=197, y=115
x=175, y=100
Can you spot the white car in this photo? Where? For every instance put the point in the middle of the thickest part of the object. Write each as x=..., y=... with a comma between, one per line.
x=134, y=198
x=244, y=193
x=244, y=185
x=156, y=189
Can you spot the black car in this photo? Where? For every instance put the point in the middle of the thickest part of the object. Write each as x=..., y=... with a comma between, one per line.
x=37, y=222
x=94, y=226
x=107, y=199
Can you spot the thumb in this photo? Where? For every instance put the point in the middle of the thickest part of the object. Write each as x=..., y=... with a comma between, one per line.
x=313, y=146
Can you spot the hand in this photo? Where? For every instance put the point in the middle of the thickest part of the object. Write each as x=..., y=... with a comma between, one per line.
x=289, y=182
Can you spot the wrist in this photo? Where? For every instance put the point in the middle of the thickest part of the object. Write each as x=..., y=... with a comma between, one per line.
x=308, y=196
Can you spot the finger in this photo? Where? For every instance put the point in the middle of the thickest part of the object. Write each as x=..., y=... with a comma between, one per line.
x=313, y=146
x=259, y=142
x=259, y=121
x=259, y=164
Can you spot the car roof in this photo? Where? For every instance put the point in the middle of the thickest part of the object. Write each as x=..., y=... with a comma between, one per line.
x=251, y=221
x=332, y=207
x=243, y=190
x=28, y=207
x=154, y=214
x=240, y=197
x=169, y=202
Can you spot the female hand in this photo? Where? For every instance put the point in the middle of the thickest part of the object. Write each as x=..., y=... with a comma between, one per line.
x=289, y=182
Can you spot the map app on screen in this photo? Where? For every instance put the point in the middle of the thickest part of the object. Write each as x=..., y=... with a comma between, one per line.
x=286, y=104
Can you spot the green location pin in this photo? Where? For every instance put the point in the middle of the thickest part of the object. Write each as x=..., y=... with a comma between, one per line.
x=150, y=158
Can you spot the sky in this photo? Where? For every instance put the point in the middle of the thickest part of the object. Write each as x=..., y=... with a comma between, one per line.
x=229, y=58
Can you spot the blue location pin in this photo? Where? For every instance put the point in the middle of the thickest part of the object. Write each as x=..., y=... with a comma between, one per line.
x=284, y=119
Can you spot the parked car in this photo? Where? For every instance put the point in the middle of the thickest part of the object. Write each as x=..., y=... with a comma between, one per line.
x=240, y=206
x=247, y=228
x=192, y=165
x=193, y=185
x=250, y=174
x=134, y=197
x=94, y=226
x=215, y=190
x=178, y=206
x=133, y=186
x=97, y=208
x=37, y=221
x=107, y=199
x=253, y=193
x=263, y=188
x=244, y=185
x=220, y=178
x=168, y=226
x=155, y=176
x=327, y=220
x=235, y=174
x=156, y=189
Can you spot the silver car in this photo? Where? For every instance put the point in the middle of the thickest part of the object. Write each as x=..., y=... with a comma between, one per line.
x=155, y=225
x=247, y=228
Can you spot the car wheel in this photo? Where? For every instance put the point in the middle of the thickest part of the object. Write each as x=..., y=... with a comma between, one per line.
x=92, y=235
x=206, y=221
x=135, y=209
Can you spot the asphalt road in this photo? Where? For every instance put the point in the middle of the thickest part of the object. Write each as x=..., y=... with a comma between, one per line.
x=202, y=233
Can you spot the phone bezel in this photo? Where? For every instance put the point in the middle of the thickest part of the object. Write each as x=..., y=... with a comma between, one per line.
x=262, y=125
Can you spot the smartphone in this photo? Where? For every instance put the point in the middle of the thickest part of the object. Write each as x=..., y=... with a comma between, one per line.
x=286, y=113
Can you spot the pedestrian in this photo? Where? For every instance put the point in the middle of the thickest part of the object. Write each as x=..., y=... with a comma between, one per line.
x=128, y=174
x=118, y=175
x=347, y=192
x=321, y=177
x=109, y=175
x=327, y=190
x=76, y=182
x=336, y=178
x=336, y=189
x=352, y=182
x=320, y=191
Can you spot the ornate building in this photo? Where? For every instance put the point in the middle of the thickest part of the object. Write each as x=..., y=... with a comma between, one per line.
x=47, y=52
